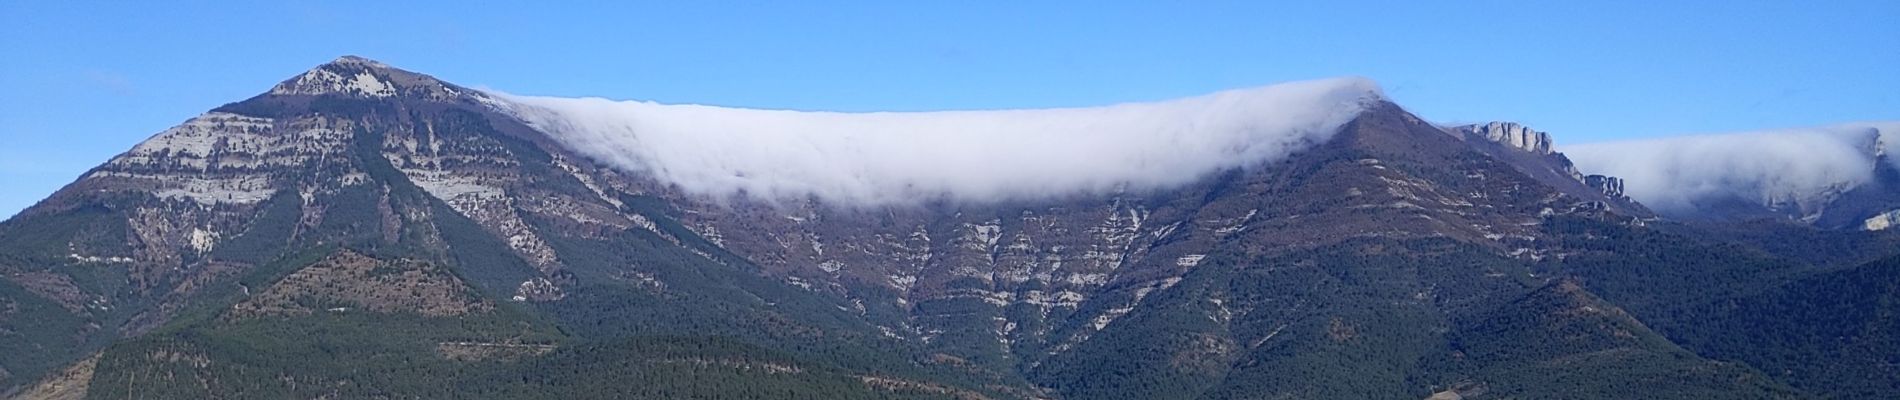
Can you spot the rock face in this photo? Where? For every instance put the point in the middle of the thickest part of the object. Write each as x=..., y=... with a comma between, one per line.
x=1531, y=152
x=1609, y=185
x=1511, y=134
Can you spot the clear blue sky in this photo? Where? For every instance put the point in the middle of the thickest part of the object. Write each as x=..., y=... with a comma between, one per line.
x=83, y=81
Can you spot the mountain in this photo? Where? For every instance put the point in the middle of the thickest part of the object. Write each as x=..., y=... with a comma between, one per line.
x=364, y=231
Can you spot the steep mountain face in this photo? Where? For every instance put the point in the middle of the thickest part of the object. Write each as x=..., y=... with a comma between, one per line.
x=1534, y=154
x=363, y=231
x=201, y=227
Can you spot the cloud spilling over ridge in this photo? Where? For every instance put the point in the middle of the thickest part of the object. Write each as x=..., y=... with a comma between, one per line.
x=882, y=158
x=1783, y=167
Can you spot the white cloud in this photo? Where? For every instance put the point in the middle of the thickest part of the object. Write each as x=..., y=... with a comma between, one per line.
x=1792, y=167
x=886, y=158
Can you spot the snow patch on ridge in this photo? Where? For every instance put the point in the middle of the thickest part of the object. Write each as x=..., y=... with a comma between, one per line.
x=883, y=158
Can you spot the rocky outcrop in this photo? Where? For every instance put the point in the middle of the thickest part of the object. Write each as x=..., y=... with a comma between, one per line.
x=1511, y=134
x=1533, y=153
x=1609, y=185
x=1882, y=221
x=1527, y=145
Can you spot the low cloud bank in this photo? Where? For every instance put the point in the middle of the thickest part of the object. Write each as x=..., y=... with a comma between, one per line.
x=883, y=158
x=1783, y=167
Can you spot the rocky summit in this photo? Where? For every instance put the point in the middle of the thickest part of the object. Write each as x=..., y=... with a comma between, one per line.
x=1511, y=134
x=361, y=231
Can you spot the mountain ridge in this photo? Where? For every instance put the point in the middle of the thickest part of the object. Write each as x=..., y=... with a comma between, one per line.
x=1363, y=252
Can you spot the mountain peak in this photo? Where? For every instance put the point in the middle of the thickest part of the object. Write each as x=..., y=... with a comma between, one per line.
x=357, y=60
x=357, y=76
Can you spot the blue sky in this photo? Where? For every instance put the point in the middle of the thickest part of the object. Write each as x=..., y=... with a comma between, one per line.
x=81, y=82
